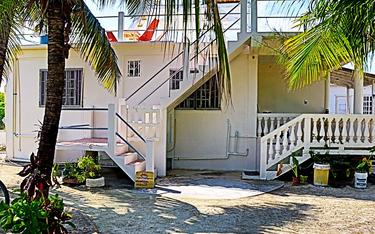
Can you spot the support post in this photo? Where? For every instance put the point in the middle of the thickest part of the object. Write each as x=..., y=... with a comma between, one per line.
x=120, y=32
x=358, y=92
x=348, y=107
x=263, y=160
x=326, y=93
x=150, y=156
x=186, y=62
x=306, y=135
x=112, y=124
x=243, y=25
x=254, y=16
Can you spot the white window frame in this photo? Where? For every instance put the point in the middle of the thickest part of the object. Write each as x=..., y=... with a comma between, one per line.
x=134, y=68
x=73, y=92
x=367, y=105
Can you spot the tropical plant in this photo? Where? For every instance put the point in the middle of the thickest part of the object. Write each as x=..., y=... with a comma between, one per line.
x=71, y=172
x=338, y=32
x=364, y=165
x=319, y=158
x=34, y=216
x=295, y=166
x=90, y=169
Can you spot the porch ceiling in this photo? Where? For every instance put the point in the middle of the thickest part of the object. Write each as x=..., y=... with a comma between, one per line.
x=344, y=77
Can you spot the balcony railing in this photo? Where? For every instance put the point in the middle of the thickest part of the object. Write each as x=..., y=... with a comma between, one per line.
x=268, y=16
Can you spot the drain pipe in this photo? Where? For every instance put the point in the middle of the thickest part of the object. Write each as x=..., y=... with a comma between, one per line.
x=227, y=153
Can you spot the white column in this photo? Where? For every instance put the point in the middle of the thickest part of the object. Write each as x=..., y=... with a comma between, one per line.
x=120, y=25
x=358, y=92
x=244, y=16
x=326, y=93
x=348, y=107
x=254, y=16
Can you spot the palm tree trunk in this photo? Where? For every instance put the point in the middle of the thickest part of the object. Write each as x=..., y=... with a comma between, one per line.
x=55, y=89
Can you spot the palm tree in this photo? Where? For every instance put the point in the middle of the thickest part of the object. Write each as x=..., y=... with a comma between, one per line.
x=70, y=22
x=339, y=32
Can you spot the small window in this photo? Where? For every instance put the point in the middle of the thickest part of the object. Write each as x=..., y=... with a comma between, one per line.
x=177, y=77
x=72, y=89
x=134, y=68
x=367, y=105
x=207, y=97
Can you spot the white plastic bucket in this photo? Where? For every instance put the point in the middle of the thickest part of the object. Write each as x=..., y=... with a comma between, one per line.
x=360, y=180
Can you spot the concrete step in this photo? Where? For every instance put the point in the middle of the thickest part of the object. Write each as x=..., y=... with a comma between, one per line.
x=139, y=165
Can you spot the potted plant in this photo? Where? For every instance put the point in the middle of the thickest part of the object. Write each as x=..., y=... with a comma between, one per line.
x=321, y=168
x=303, y=179
x=91, y=171
x=361, y=173
x=72, y=175
x=295, y=169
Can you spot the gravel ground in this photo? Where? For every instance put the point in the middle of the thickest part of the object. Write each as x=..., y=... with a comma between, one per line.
x=302, y=209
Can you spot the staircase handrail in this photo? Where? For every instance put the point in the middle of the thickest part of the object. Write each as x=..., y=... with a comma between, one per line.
x=179, y=54
x=284, y=126
x=181, y=68
x=130, y=145
x=129, y=126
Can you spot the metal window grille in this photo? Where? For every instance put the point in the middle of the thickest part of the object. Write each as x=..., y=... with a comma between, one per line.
x=174, y=82
x=207, y=97
x=72, y=88
x=367, y=105
x=134, y=68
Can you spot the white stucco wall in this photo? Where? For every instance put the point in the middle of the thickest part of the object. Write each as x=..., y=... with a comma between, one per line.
x=202, y=134
x=274, y=95
x=23, y=112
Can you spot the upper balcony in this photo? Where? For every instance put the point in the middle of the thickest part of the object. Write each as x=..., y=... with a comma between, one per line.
x=249, y=16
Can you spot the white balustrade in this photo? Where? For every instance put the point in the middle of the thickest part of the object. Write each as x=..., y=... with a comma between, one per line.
x=313, y=131
x=145, y=121
x=267, y=122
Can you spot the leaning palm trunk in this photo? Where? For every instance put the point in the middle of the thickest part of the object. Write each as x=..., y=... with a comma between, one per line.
x=55, y=89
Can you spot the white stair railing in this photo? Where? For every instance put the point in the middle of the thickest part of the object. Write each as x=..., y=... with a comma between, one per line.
x=267, y=122
x=281, y=143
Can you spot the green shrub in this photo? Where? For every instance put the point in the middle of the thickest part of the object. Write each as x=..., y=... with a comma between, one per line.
x=89, y=167
x=34, y=216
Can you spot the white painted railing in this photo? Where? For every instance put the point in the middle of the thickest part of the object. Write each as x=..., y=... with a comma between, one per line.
x=267, y=122
x=341, y=134
x=145, y=121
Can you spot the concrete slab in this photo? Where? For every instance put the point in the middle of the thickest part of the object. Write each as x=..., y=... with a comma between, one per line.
x=211, y=186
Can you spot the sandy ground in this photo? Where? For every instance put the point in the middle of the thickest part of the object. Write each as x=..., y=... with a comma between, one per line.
x=302, y=209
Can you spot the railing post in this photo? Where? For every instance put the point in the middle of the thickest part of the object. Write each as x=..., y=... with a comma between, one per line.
x=112, y=125
x=150, y=155
x=306, y=135
x=254, y=16
x=186, y=61
x=244, y=16
x=263, y=160
x=120, y=25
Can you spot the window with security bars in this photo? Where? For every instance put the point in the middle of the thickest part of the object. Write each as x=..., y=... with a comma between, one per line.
x=207, y=97
x=177, y=77
x=72, y=89
x=367, y=105
x=134, y=68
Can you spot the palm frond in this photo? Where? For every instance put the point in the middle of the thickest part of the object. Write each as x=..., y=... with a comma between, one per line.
x=89, y=39
x=9, y=42
x=310, y=55
x=339, y=31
